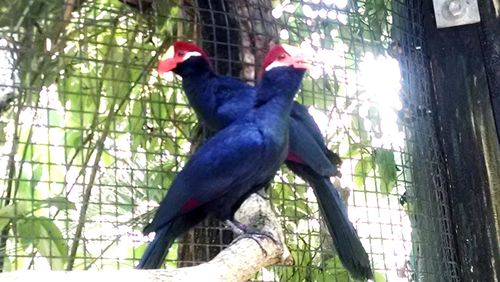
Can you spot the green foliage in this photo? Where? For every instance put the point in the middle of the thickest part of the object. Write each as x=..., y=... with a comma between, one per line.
x=61, y=203
x=10, y=212
x=380, y=164
x=99, y=84
x=379, y=277
x=361, y=171
x=45, y=237
x=386, y=169
x=358, y=129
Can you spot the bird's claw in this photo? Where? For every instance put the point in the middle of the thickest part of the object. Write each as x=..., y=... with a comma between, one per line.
x=256, y=236
x=244, y=231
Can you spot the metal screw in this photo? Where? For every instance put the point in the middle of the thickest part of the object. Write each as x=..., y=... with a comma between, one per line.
x=455, y=8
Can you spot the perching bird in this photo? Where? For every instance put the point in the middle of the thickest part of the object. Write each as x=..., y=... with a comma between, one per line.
x=235, y=163
x=220, y=100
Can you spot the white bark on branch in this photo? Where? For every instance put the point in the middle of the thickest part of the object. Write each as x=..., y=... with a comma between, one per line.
x=239, y=262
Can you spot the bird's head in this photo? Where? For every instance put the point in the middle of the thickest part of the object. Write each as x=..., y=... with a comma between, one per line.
x=284, y=56
x=282, y=72
x=178, y=53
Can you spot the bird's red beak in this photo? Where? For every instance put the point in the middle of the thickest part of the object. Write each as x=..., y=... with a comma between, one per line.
x=168, y=61
x=298, y=59
x=300, y=62
x=167, y=65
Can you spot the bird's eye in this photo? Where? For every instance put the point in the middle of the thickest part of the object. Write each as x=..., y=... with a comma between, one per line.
x=281, y=57
x=181, y=53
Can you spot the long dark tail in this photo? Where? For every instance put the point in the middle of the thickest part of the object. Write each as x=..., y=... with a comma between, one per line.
x=165, y=236
x=350, y=250
x=157, y=250
x=345, y=238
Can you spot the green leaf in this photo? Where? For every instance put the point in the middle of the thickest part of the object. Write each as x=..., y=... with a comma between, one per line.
x=54, y=245
x=375, y=121
x=45, y=236
x=77, y=93
x=358, y=128
x=55, y=118
x=379, y=277
x=28, y=231
x=28, y=180
x=361, y=171
x=16, y=210
x=24, y=192
x=2, y=133
x=160, y=110
x=73, y=142
x=116, y=77
x=61, y=203
x=73, y=138
x=172, y=256
x=335, y=268
x=386, y=169
x=314, y=91
x=21, y=208
x=296, y=211
x=354, y=150
x=136, y=122
x=107, y=159
x=36, y=175
x=7, y=264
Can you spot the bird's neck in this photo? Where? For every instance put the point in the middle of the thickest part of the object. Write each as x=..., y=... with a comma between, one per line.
x=196, y=73
x=195, y=84
x=277, y=90
x=199, y=83
x=279, y=106
x=197, y=76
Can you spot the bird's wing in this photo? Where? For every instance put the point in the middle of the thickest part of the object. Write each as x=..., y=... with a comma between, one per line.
x=231, y=158
x=306, y=150
x=305, y=132
x=302, y=116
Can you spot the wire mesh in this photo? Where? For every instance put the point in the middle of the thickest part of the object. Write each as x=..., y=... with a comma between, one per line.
x=91, y=136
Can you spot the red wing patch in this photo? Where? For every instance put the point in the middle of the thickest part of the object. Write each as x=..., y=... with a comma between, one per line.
x=190, y=205
x=294, y=158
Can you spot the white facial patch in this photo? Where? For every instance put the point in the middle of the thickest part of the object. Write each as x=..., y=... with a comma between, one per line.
x=191, y=54
x=292, y=50
x=275, y=64
x=169, y=54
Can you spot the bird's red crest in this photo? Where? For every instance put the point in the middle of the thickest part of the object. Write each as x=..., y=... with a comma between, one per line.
x=273, y=54
x=283, y=55
x=177, y=53
x=187, y=46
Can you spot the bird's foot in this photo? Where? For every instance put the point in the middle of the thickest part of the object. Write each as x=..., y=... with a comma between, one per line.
x=245, y=231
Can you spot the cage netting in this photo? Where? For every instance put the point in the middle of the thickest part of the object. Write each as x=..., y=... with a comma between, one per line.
x=91, y=137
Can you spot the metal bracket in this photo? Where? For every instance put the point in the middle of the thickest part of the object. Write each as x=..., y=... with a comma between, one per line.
x=455, y=12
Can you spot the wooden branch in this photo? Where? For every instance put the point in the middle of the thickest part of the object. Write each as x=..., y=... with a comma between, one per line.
x=239, y=262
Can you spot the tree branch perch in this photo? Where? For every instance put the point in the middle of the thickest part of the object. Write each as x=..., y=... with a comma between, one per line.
x=239, y=262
